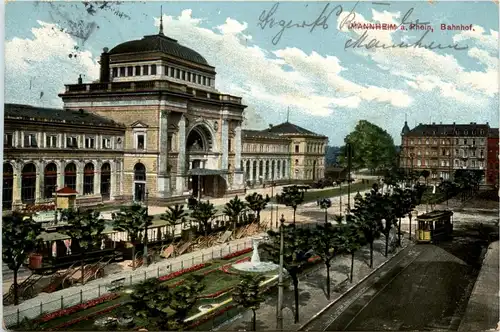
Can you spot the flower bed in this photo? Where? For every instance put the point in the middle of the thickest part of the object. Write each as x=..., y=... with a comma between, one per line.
x=314, y=259
x=237, y=253
x=225, y=268
x=181, y=272
x=216, y=294
x=78, y=307
x=81, y=319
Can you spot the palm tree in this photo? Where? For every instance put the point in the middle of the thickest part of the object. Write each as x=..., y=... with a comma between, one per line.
x=249, y=295
x=292, y=197
x=203, y=214
x=327, y=243
x=174, y=216
x=184, y=297
x=19, y=239
x=150, y=299
x=233, y=209
x=256, y=203
x=85, y=227
x=131, y=219
x=295, y=246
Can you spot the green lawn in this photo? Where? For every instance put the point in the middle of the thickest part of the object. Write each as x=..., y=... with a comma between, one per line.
x=214, y=281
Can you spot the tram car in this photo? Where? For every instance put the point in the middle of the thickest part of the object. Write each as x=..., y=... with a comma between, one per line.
x=434, y=226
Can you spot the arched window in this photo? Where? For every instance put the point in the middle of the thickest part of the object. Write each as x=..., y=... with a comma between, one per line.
x=8, y=184
x=266, y=176
x=49, y=180
x=139, y=172
x=88, y=179
x=278, y=167
x=28, y=184
x=248, y=169
x=273, y=165
x=284, y=169
x=105, y=181
x=70, y=176
x=254, y=170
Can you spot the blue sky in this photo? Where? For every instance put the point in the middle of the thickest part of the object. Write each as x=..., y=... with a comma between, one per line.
x=327, y=87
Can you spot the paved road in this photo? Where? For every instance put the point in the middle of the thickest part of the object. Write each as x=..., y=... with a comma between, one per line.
x=425, y=288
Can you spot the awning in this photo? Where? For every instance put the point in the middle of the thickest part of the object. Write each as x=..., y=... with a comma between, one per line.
x=206, y=171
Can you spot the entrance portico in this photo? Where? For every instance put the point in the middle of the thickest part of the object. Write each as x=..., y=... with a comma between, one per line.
x=207, y=182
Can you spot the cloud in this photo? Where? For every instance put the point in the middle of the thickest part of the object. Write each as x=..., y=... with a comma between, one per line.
x=286, y=77
x=45, y=58
x=427, y=70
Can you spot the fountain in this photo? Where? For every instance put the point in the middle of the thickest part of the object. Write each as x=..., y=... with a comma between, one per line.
x=255, y=265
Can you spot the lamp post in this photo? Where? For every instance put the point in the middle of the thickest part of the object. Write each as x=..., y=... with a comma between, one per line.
x=272, y=207
x=279, y=314
x=340, y=185
x=145, y=257
x=412, y=155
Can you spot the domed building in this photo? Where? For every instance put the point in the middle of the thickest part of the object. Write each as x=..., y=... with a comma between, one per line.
x=182, y=134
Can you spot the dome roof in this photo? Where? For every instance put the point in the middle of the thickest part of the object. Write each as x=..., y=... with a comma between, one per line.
x=159, y=43
x=406, y=129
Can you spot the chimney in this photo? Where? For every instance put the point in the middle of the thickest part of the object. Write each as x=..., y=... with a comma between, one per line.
x=104, y=74
x=80, y=80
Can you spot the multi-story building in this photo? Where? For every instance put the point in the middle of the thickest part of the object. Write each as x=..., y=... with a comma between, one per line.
x=153, y=127
x=284, y=151
x=46, y=149
x=443, y=148
x=493, y=156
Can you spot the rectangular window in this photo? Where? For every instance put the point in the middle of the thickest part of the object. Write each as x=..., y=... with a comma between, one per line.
x=8, y=140
x=465, y=141
x=106, y=143
x=165, y=70
x=296, y=149
x=473, y=142
x=30, y=141
x=177, y=73
x=169, y=143
x=199, y=79
x=229, y=145
x=137, y=70
x=130, y=71
x=115, y=72
x=122, y=71
x=51, y=141
x=89, y=142
x=140, y=142
x=145, y=70
x=183, y=75
x=153, y=69
x=204, y=80
x=209, y=83
x=71, y=142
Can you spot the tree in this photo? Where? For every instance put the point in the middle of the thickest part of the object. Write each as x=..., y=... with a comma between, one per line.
x=374, y=147
x=85, y=227
x=296, y=244
x=398, y=198
x=325, y=203
x=131, y=219
x=249, y=295
x=19, y=239
x=203, y=213
x=150, y=300
x=184, y=297
x=352, y=240
x=293, y=197
x=367, y=216
x=174, y=216
x=233, y=209
x=256, y=203
x=327, y=242
x=425, y=173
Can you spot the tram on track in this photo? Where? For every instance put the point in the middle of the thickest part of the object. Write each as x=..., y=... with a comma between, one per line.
x=434, y=226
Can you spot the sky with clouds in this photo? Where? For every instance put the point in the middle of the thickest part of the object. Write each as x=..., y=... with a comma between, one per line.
x=327, y=87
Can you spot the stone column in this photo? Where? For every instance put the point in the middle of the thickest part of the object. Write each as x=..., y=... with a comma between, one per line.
x=225, y=144
x=250, y=177
x=163, y=183
x=39, y=181
x=238, y=179
x=179, y=182
x=97, y=177
x=276, y=170
x=79, y=178
x=16, y=187
x=257, y=173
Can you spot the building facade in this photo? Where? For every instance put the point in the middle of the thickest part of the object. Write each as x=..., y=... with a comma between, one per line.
x=152, y=127
x=443, y=148
x=493, y=155
x=48, y=149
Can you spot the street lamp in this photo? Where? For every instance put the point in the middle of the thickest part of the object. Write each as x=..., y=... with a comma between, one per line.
x=272, y=207
x=145, y=257
x=339, y=182
x=279, y=314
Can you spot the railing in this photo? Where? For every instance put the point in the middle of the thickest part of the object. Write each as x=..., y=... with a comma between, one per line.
x=89, y=292
x=150, y=85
